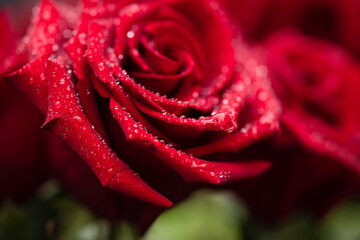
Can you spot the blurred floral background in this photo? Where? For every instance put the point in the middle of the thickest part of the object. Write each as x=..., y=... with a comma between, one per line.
x=311, y=191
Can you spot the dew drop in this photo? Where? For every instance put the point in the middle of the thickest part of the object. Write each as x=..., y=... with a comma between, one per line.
x=82, y=38
x=42, y=77
x=55, y=47
x=31, y=80
x=101, y=66
x=78, y=119
x=130, y=34
x=57, y=104
x=156, y=143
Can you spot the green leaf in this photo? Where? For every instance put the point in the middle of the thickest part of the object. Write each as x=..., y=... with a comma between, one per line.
x=124, y=231
x=301, y=227
x=342, y=223
x=205, y=215
x=11, y=220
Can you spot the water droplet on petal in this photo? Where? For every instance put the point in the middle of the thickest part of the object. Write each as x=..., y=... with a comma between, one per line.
x=78, y=119
x=130, y=34
x=101, y=66
x=57, y=104
x=55, y=47
x=82, y=38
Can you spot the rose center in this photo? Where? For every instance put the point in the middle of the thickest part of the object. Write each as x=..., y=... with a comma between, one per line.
x=163, y=54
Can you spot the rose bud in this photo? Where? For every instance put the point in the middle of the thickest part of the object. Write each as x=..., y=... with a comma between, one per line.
x=21, y=142
x=316, y=159
x=144, y=89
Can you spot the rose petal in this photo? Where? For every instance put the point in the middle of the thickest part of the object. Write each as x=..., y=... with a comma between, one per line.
x=191, y=169
x=65, y=118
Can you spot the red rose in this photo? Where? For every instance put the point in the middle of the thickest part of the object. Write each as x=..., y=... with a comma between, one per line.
x=21, y=160
x=316, y=160
x=100, y=72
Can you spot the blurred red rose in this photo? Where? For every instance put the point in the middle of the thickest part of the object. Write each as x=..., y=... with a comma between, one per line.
x=6, y=34
x=318, y=85
x=336, y=20
x=21, y=142
x=143, y=88
x=316, y=159
x=246, y=13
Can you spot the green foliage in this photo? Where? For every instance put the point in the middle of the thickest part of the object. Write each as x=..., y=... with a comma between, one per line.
x=205, y=215
x=343, y=223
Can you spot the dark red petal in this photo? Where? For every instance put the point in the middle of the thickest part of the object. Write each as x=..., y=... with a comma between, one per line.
x=43, y=39
x=43, y=35
x=76, y=49
x=22, y=161
x=260, y=122
x=76, y=46
x=31, y=81
x=128, y=15
x=89, y=106
x=217, y=38
x=97, y=62
x=216, y=122
x=190, y=168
